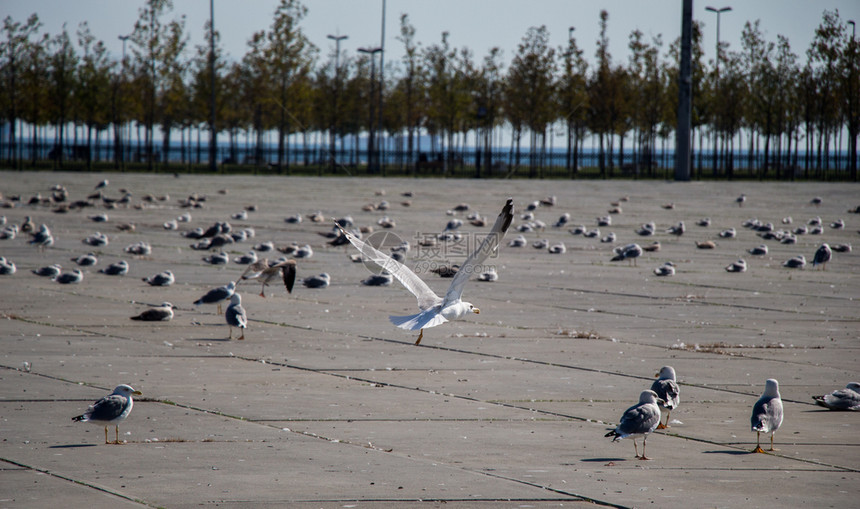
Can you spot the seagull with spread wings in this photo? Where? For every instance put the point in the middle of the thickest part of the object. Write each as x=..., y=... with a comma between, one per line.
x=265, y=272
x=436, y=310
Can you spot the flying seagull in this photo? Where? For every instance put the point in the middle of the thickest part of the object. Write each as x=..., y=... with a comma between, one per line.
x=264, y=272
x=111, y=409
x=436, y=310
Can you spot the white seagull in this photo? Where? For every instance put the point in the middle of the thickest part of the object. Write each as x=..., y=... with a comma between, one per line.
x=436, y=310
x=111, y=409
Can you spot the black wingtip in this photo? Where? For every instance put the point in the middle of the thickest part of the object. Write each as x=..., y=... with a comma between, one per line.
x=508, y=213
x=289, y=273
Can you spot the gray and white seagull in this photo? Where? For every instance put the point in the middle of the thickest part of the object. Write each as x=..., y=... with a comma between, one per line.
x=436, y=310
x=638, y=421
x=111, y=409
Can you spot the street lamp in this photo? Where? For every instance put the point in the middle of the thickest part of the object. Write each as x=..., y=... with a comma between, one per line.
x=213, y=131
x=718, y=11
x=123, y=38
x=380, y=160
x=717, y=67
x=570, y=33
x=370, y=145
x=336, y=39
x=853, y=29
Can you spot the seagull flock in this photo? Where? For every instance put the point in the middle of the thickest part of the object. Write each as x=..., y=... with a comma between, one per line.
x=639, y=420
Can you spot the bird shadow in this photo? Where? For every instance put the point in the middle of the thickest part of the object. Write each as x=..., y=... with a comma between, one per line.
x=223, y=340
x=71, y=446
x=730, y=453
x=601, y=460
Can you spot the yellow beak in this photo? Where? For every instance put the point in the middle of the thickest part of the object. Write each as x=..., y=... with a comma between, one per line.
x=476, y=311
x=137, y=393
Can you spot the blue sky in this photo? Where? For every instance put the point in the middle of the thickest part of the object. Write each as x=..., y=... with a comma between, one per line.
x=477, y=24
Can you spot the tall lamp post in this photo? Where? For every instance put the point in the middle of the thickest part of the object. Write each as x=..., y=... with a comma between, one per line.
x=717, y=69
x=332, y=135
x=852, y=152
x=718, y=11
x=380, y=160
x=123, y=38
x=370, y=138
x=213, y=131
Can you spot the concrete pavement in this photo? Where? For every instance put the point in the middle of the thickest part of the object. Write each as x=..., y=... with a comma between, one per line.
x=326, y=404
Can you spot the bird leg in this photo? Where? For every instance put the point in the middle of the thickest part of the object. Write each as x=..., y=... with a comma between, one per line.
x=116, y=429
x=771, y=443
x=665, y=426
x=758, y=443
x=420, y=335
x=263, y=291
x=636, y=448
x=219, y=308
x=231, y=332
x=643, y=457
x=243, y=335
x=106, y=440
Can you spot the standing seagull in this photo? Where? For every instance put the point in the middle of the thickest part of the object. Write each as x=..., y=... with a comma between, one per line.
x=436, y=310
x=43, y=237
x=822, y=256
x=162, y=313
x=217, y=295
x=668, y=391
x=628, y=252
x=265, y=272
x=638, y=420
x=235, y=315
x=111, y=409
x=767, y=414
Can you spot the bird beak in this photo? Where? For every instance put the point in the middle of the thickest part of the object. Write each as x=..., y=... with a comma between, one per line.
x=476, y=311
x=656, y=375
x=137, y=393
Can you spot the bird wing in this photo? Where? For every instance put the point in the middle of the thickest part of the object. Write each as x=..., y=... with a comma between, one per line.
x=288, y=269
x=767, y=415
x=107, y=408
x=842, y=399
x=639, y=419
x=668, y=391
x=236, y=316
x=489, y=245
x=427, y=298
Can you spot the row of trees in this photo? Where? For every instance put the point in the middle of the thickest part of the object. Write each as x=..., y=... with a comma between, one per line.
x=759, y=98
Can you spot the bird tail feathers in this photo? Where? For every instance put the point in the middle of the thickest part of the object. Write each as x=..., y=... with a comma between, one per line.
x=423, y=320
